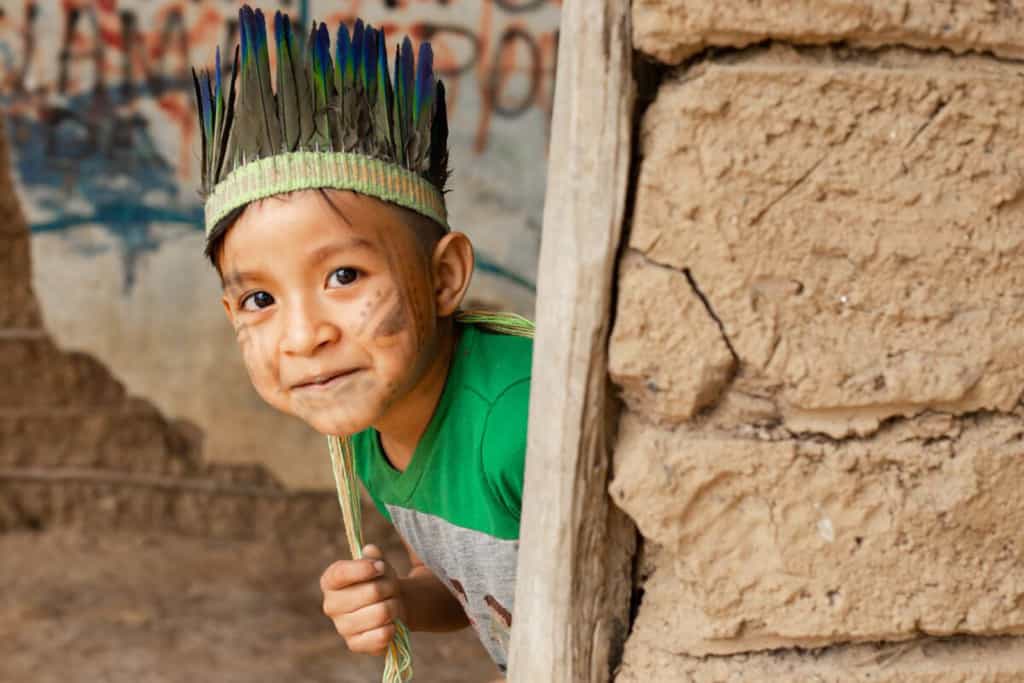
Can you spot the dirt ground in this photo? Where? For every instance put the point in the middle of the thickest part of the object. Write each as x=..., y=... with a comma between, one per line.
x=130, y=607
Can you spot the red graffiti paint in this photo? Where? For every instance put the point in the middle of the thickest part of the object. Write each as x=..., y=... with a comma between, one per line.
x=497, y=62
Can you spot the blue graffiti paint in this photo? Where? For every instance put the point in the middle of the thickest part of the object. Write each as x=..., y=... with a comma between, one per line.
x=486, y=265
x=111, y=164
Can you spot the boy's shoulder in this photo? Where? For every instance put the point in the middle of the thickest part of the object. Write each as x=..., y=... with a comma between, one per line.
x=491, y=363
x=496, y=369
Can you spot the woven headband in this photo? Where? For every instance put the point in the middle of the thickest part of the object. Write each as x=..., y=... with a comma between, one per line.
x=340, y=122
x=311, y=170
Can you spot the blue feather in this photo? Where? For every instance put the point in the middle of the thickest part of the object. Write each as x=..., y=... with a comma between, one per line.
x=382, y=63
x=358, y=35
x=407, y=66
x=208, y=107
x=342, y=48
x=406, y=74
x=260, y=34
x=283, y=36
x=424, y=95
x=243, y=27
x=383, y=75
x=323, y=50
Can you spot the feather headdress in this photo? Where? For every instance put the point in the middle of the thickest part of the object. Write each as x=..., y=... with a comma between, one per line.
x=336, y=120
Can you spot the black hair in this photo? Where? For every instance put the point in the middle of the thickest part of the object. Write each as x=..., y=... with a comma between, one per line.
x=215, y=242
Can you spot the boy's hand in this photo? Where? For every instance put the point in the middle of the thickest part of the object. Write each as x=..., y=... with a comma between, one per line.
x=362, y=598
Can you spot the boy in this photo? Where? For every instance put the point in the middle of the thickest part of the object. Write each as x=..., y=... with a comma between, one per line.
x=325, y=218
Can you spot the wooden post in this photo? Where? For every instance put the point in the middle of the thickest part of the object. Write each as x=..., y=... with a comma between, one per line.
x=573, y=586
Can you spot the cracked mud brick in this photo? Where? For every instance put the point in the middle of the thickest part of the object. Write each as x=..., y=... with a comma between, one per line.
x=808, y=542
x=660, y=320
x=672, y=30
x=926, y=660
x=854, y=220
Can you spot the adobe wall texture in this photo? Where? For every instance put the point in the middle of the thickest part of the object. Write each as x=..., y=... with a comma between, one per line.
x=819, y=342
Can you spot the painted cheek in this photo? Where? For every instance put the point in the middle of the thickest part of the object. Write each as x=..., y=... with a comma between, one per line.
x=259, y=361
x=382, y=319
x=394, y=320
x=369, y=312
x=365, y=317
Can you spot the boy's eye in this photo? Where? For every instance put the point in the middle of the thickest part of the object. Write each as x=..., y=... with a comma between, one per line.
x=343, y=277
x=257, y=301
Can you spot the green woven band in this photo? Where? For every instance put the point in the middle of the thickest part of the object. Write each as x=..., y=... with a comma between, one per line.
x=311, y=170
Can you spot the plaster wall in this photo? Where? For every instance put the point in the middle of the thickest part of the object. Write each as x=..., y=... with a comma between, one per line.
x=97, y=100
x=818, y=344
x=76, y=449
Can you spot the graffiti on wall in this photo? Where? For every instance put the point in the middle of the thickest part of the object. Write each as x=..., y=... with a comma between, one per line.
x=97, y=95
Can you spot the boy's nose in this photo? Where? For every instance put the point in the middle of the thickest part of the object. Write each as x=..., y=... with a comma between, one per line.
x=307, y=329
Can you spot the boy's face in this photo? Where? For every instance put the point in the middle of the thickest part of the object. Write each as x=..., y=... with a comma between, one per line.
x=333, y=308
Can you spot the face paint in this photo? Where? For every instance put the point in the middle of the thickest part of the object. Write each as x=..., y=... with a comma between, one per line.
x=338, y=354
x=394, y=321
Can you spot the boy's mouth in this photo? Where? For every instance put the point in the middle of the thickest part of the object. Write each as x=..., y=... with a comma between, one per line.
x=324, y=380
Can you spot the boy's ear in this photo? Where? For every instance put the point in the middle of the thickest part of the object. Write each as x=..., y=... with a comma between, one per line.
x=453, y=269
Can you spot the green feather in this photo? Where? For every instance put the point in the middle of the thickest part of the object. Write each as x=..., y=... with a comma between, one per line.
x=383, y=104
x=423, y=111
x=321, y=79
x=287, y=84
x=398, y=109
x=268, y=104
x=218, y=102
x=407, y=70
x=343, y=133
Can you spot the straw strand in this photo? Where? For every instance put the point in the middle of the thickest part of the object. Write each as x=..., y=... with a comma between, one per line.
x=398, y=661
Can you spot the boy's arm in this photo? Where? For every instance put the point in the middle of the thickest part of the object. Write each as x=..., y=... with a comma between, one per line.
x=429, y=605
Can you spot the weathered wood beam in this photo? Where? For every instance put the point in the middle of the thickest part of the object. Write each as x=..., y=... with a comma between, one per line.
x=573, y=588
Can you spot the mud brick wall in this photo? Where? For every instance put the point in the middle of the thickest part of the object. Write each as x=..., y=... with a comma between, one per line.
x=819, y=339
x=76, y=450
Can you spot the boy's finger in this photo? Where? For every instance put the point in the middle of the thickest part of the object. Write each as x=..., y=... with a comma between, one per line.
x=369, y=618
x=356, y=597
x=347, y=572
x=372, y=552
x=373, y=642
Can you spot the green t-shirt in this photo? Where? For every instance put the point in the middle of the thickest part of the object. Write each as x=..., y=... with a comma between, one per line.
x=458, y=503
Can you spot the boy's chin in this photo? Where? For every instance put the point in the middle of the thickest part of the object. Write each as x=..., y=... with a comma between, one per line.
x=332, y=425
